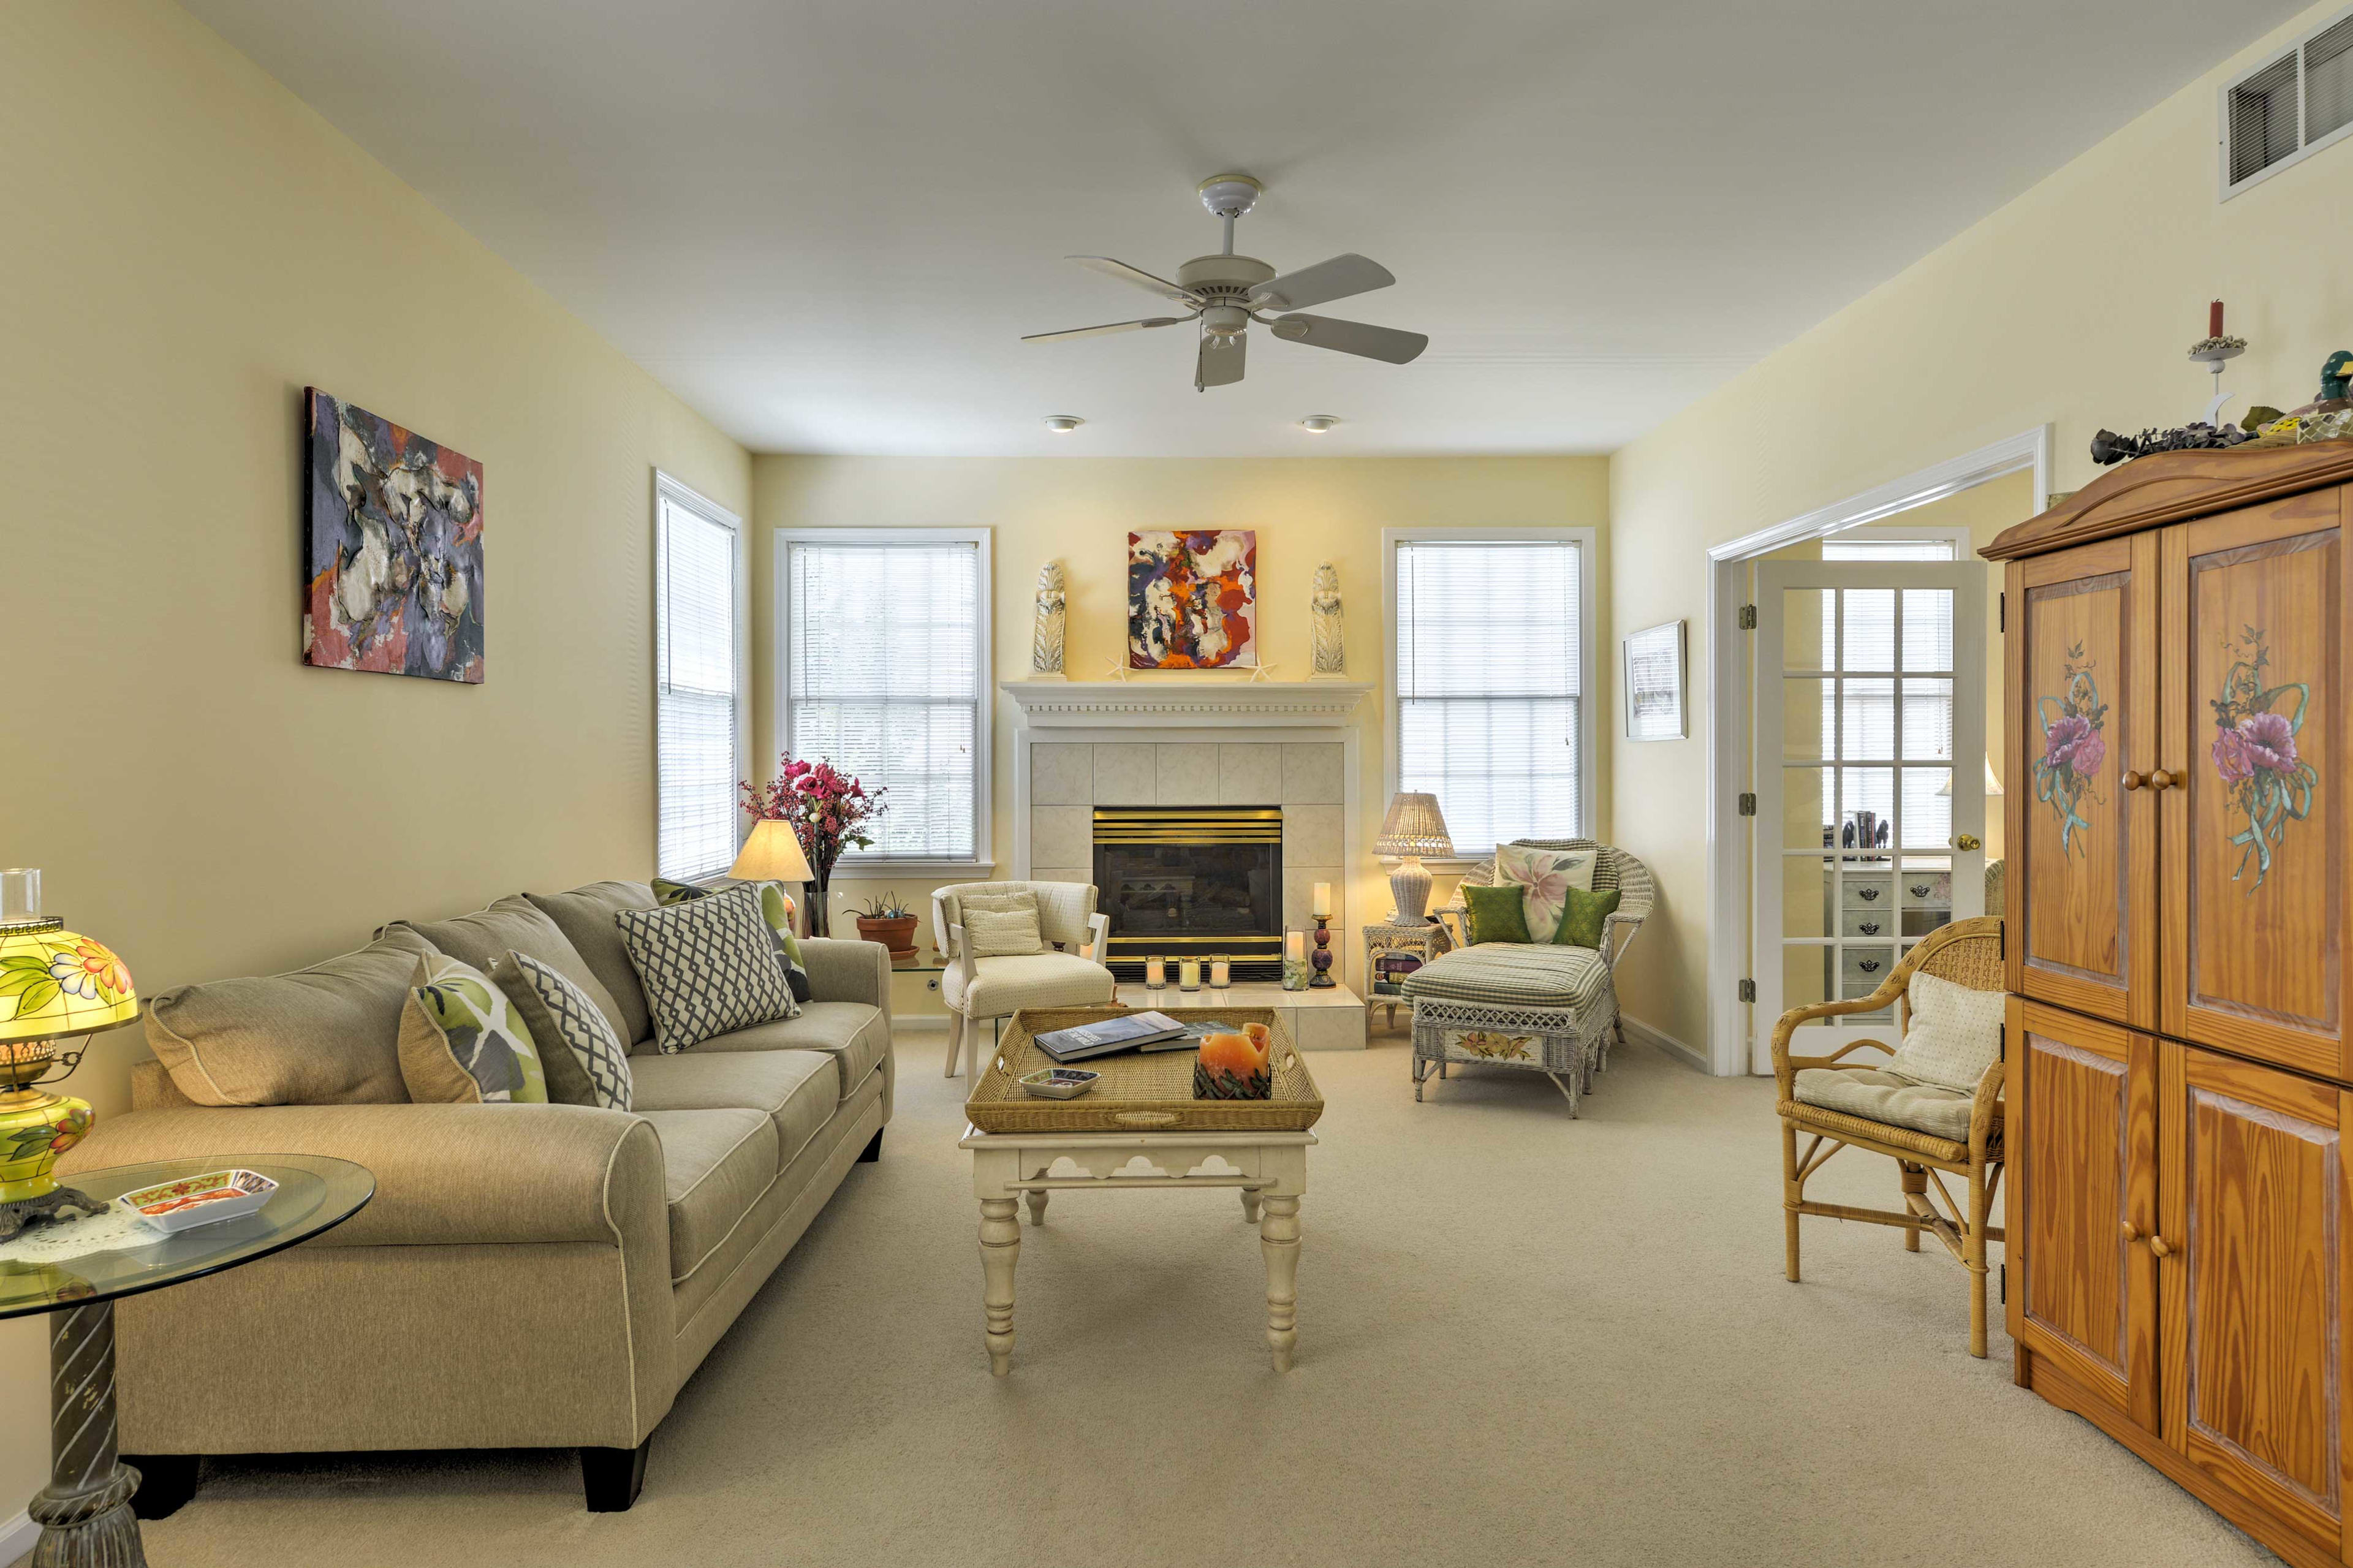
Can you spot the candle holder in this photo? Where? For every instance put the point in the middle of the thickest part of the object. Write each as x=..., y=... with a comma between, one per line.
x=1221, y=971
x=1189, y=974
x=1294, y=961
x=1323, y=958
x=1155, y=974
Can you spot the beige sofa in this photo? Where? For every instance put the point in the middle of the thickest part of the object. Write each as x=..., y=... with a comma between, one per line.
x=527, y=1275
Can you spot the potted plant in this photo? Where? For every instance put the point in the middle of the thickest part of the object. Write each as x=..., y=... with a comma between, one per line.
x=828, y=811
x=887, y=921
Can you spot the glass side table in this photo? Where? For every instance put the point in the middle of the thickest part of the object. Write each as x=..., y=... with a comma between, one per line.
x=85, y=1510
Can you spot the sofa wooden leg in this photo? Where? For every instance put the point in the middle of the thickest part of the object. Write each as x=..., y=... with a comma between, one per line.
x=611, y=1477
x=167, y=1481
x=873, y=1149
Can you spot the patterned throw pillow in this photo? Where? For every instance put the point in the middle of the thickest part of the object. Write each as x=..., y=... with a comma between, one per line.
x=1954, y=1035
x=460, y=1044
x=1587, y=919
x=1496, y=914
x=585, y=1061
x=709, y=967
x=1545, y=876
x=777, y=908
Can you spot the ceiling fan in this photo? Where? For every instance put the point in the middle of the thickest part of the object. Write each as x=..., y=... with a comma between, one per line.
x=1226, y=292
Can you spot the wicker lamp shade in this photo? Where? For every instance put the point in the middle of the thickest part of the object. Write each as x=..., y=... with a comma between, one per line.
x=1413, y=828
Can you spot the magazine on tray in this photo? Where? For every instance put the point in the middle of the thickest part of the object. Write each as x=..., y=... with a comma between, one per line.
x=1128, y=1032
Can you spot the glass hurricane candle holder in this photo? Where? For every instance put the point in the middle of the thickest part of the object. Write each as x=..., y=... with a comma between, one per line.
x=1221, y=971
x=1155, y=974
x=1295, y=971
x=1189, y=974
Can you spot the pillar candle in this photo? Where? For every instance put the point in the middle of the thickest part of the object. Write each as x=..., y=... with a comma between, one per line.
x=2214, y=320
x=1221, y=972
x=1189, y=974
x=1295, y=946
x=1323, y=898
x=1155, y=973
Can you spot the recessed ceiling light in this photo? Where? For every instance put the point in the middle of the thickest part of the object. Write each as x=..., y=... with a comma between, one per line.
x=1316, y=424
x=1063, y=423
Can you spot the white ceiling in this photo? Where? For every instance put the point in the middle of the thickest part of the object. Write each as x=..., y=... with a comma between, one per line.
x=825, y=224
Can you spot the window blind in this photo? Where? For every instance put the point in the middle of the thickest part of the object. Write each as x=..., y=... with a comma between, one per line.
x=1491, y=686
x=699, y=694
x=885, y=679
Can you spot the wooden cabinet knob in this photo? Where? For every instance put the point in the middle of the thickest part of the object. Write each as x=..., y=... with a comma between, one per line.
x=2132, y=779
x=2160, y=779
x=2157, y=1245
x=2132, y=1233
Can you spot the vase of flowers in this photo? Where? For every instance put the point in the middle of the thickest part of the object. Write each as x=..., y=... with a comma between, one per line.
x=827, y=810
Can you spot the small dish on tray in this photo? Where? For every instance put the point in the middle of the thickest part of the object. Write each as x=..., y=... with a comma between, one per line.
x=207, y=1199
x=1059, y=1083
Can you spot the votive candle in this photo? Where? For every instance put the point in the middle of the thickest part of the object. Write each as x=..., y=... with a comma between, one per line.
x=1155, y=973
x=1189, y=974
x=1221, y=972
x=1323, y=900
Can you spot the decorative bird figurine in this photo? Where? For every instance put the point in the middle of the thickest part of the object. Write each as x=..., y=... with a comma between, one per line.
x=2337, y=377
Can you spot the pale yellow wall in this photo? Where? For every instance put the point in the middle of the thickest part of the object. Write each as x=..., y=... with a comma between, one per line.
x=2074, y=305
x=1079, y=510
x=187, y=246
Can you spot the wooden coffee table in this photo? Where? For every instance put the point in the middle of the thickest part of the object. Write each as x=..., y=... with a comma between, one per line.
x=1267, y=1167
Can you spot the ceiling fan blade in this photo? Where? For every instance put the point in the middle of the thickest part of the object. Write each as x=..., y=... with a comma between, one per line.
x=1139, y=276
x=1351, y=337
x=1333, y=279
x=1098, y=331
x=1220, y=361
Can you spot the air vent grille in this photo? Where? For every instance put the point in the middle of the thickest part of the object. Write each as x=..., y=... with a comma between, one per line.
x=2289, y=108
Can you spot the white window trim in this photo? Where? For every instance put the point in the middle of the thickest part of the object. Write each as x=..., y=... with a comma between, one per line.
x=2305, y=148
x=686, y=497
x=854, y=866
x=1959, y=537
x=1585, y=538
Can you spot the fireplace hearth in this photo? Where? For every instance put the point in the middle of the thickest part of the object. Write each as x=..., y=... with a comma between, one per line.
x=1191, y=881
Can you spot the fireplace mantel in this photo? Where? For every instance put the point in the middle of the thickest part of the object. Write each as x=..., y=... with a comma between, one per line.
x=1152, y=704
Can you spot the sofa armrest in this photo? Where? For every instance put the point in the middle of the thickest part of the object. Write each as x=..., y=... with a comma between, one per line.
x=445, y=1175
x=845, y=971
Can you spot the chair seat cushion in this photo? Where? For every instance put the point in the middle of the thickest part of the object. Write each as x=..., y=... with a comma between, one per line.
x=1886, y=1097
x=853, y=1034
x=715, y=1166
x=1512, y=974
x=998, y=986
x=795, y=1090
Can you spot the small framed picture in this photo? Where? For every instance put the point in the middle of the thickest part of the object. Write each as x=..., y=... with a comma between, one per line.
x=1654, y=683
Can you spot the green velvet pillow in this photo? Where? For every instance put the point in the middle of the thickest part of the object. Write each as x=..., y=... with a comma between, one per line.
x=1586, y=918
x=1497, y=913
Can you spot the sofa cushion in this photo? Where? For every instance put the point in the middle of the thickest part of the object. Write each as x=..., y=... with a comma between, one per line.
x=585, y=916
x=1507, y=975
x=715, y=1166
x=585, y=1061
x=708, y=965
x=853, y=1034
x=795, y=1088
x=514, y=924
x=1877, y=1096
x=999, y=985
x=460, y=1041
x=327, y=1035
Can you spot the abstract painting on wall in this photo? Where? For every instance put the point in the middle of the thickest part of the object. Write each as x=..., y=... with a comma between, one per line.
x=393, y=558
x=1192, y=599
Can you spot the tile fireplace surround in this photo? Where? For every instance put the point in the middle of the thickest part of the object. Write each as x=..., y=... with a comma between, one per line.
x=1081, y=744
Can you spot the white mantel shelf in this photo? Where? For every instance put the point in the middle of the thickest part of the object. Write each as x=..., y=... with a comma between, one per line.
x=1152, y=704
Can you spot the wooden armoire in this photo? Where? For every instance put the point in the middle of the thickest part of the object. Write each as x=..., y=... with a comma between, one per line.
x=2179, y=1074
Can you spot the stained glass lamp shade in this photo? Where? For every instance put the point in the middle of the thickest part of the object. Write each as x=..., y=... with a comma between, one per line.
x=1414, y=827
x=54, y=984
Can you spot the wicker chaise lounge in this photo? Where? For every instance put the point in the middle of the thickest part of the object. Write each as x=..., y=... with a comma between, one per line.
x=1538, y=1006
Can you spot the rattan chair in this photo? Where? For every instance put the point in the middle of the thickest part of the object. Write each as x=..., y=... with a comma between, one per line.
x=1967, y=953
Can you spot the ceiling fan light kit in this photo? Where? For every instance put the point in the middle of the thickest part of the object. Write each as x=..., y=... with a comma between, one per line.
x=1225, y=292
x=1063, y=423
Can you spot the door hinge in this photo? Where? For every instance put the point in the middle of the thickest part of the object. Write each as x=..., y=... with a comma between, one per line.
x=2001, y=612
x=2005, y=1285
x=1748, y=991
x=1747, y=617
x=1747, y=804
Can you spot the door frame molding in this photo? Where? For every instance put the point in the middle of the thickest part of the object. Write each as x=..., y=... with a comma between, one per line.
x=1728, y=1024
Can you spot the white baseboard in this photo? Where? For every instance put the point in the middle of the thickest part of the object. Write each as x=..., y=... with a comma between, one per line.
x=18, y=1536
x=911, y=1022
x=1659, y=1040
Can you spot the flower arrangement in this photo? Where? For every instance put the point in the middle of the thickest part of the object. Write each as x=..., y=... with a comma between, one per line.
x=828, y=811
x=2254, y=753
x=2072, y=747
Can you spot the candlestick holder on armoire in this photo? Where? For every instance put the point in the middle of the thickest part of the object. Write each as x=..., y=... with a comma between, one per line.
x=1323, y=958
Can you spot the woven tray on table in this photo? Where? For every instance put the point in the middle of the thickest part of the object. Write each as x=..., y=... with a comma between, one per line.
x=1150, y=1091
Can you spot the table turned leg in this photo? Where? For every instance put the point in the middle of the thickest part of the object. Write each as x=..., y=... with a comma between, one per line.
x=1000, y=1248
x=85, y=1510
x=1037, y=1196
x=1250, y=1205
x=1277, y=1238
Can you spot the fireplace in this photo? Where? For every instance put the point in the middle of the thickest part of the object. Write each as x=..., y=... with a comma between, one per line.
x=1191, y=881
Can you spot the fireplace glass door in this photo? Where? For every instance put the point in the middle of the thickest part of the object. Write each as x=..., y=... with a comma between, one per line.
x=1191, y=881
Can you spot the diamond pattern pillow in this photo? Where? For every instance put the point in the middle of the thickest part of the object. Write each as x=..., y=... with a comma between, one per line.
x=461, y=1043
x=777, y=908
x=709, y=967
x=585, y=1061
x=1585, y=921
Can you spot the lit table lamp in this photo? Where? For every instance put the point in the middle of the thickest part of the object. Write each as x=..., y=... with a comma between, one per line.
x=1415, y=828
x=773, y=853
x=54, y=984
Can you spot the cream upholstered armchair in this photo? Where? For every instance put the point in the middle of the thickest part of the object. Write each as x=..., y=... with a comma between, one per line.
x=1067, y=973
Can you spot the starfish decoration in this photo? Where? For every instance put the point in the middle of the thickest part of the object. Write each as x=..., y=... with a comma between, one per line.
x=1117, y=670
x=1263, y=672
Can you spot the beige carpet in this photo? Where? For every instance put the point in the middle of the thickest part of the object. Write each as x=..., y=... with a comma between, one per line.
x=1522, y=1340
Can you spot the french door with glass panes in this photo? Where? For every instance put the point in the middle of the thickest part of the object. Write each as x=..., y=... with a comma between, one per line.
x=1870, y=786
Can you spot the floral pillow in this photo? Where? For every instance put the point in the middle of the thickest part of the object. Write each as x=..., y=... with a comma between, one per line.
x=1544, y=878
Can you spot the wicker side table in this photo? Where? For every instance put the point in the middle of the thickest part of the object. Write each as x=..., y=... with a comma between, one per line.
x=1425, y=942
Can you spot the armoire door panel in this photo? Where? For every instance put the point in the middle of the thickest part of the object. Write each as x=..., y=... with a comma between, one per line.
x=2255, y=833
x=2083, y=1113
x=2256, y=1305
x=2084, y=725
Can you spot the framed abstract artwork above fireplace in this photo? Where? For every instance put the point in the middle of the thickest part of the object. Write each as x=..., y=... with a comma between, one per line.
x=1192, y=599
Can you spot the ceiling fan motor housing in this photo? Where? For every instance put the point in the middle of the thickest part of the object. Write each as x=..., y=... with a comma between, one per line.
x=1225, y=281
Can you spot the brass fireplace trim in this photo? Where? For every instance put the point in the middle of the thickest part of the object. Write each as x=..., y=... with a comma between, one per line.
x=1189, y=825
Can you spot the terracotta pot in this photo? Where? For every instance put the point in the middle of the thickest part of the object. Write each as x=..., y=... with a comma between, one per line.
x=898, y=935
